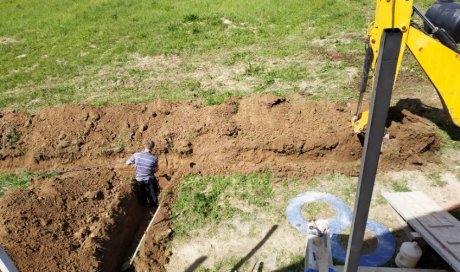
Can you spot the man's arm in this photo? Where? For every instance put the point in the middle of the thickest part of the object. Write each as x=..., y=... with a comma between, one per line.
x=131, y=160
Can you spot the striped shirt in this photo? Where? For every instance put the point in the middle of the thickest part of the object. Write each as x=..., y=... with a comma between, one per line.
x=146, y=163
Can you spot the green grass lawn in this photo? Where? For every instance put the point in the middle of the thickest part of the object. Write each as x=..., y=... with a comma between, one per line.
x=204, y=201
x=85, y=51
x=95, y=52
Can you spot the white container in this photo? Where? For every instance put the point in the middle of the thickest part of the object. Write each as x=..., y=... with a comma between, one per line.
x=409, y=255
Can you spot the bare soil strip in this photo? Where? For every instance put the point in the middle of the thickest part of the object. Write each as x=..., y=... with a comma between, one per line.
x=86, y=220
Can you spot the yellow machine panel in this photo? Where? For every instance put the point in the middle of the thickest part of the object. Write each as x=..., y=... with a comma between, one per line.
x=440, y=63
x=442, y=66
x=390, y=14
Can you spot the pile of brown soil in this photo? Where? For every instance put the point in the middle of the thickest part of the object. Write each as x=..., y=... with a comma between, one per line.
x=80, y=220
x=74, y=222
x=264, y=133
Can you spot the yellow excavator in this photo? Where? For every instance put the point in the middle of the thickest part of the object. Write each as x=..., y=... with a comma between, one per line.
x=434, y=47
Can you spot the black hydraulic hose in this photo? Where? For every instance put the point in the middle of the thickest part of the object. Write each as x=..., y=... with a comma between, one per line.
x=439, y=33
x=424, y=18
x=365, y=76
x=445, y=39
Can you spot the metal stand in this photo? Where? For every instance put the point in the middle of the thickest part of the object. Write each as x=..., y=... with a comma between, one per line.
x=387, y=61
x=6, y=264
x=318, y=255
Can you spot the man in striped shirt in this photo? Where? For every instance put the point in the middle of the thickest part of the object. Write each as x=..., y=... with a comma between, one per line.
x=146, y=165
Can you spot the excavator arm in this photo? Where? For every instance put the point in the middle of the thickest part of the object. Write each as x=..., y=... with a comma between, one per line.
x=439, y=58
x=389, y=35
x=442, y=66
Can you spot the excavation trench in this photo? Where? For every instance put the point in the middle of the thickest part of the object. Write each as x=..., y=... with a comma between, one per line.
x=125, y=236
x=80, y=221
x=88, y=220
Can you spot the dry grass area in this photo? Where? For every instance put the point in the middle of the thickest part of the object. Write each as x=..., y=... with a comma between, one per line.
x=264, y=234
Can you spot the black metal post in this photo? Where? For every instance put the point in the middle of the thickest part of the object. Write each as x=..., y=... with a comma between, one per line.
x=386, y=65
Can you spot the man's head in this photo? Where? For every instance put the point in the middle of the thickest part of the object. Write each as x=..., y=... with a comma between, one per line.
x=149, y=145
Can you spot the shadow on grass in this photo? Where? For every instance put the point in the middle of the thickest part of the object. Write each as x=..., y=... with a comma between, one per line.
x=251, y=253
x=438, y=116
x=196, y=264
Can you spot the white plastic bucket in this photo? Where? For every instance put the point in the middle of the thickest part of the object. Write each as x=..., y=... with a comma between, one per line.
x=408, y=255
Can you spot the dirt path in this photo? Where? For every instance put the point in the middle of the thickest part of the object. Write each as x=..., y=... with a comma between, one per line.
x=72, y=221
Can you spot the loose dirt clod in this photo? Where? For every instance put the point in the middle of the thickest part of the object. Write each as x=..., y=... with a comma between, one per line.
x=82, y=221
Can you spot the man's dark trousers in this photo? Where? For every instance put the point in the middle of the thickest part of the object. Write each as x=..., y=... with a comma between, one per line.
x=147, y=194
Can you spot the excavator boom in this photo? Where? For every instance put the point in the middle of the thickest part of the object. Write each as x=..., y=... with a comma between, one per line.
x=439, y=58
x=442, y=66
x=391, y=32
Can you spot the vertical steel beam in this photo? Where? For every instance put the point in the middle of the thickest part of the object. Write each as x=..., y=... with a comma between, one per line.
x=6, y=264
x=383, y=85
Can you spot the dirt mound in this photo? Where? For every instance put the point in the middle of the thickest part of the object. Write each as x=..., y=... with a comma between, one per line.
x=69, y=223
x=264, y=133
x=73, y=221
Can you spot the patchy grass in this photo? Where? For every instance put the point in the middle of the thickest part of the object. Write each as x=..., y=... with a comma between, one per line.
x=89, y=52
x=113, y=52
x=379, y=199
x=221, y=208
x=342, y=186
x=289, y=73
x=237, y=57
x=450, y=136
x=436, y=179
x=11, y=136
x=400, y=185
x=253, y=69
x=223, y=265
x=292, y=262
x=20, y=179
x=317, y=210
x=206, y=201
